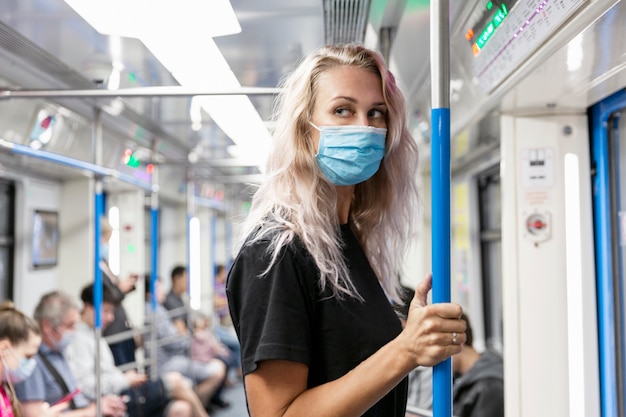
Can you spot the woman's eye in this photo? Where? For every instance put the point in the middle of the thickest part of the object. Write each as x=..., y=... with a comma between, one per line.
x=375, y=113
x=342, y=111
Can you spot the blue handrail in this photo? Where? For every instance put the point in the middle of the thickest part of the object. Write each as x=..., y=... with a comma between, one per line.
x=440, y=177
x=74, y=163
x=600, y=114
x=442, y=372
x=97, y=289
x=154, y=250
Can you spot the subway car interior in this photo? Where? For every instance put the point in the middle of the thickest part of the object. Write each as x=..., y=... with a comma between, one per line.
x=158, y=116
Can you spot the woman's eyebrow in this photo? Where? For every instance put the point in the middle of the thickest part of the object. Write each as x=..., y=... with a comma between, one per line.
x=353, y=100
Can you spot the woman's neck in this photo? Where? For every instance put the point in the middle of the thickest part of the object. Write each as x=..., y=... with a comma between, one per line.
x=344, y=202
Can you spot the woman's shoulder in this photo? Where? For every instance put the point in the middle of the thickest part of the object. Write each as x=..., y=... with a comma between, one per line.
x=261, y=244
x=274, y=253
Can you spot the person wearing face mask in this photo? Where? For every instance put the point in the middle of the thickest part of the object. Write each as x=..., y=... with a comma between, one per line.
x=57, y=316
x=309, y=291
x=124, y=350
x=170, y=395
x=19, y=339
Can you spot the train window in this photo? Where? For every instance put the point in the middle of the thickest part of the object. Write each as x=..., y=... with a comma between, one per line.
x=7, y=238
x=490, y=214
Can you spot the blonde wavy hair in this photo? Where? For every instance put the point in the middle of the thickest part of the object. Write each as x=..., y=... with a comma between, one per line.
x=297, y=200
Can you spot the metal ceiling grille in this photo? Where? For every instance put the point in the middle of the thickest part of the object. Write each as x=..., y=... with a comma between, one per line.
x=48, y=64
x=345, y=21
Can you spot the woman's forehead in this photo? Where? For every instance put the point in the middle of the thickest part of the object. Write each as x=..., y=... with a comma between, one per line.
x=349, y=81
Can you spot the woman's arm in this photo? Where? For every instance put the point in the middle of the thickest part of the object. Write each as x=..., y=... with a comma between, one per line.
x=279, y=388
x=41, y=409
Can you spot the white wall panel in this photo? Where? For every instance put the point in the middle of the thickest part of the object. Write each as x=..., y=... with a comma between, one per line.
x=541, y=292
x=31, y=283
x=77, y=235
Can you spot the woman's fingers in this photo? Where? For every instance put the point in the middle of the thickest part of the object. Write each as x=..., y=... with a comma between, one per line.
x=447, y=311
x=435, y=331
x=421, y=291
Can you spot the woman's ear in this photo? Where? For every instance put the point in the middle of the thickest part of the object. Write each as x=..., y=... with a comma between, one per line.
x=4, y=344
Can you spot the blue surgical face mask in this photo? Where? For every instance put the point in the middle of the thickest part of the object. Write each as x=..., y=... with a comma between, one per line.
x=66, y=338
x=24, y=369
x=349, y=155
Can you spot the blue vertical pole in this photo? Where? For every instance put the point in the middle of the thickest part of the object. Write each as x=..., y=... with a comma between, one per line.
x=440, y=160
x=97, y=290
x=600, y=115
x=154, y=243
x=97, y=285
x=154, y=270
x=154, y=248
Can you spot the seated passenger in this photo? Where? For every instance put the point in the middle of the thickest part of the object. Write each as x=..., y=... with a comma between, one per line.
x=205, y=346
x=20, y=338
x=170, y=395
x=175, y=300
x=52, y=379
x=173, y=355
x=479, y=385
x=225, y=331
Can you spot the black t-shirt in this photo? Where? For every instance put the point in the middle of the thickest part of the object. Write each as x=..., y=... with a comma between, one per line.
x=283, y=315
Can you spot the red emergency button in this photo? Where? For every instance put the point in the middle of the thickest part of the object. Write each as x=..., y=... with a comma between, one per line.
x=538, y=224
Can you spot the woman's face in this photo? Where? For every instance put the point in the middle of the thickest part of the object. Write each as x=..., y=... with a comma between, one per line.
x=348, y=96
x=12, y=354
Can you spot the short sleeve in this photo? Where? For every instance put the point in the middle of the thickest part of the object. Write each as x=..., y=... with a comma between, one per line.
x=273, y=313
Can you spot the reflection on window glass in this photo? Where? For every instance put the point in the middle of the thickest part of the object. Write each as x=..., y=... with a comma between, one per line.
x=461, y=246
x=4, y=273
x=491, y=255
x=5, y=207
x=7, y=238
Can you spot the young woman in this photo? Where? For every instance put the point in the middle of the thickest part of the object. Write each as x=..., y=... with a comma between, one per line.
x=310, y=289
x=20, y=338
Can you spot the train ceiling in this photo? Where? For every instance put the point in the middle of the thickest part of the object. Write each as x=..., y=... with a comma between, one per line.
x=46, y=44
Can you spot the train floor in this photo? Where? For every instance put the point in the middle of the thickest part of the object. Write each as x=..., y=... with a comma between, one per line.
x=236, y=397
